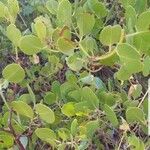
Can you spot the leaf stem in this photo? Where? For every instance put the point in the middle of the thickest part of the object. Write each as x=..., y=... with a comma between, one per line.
x=136, y=33
x=4, y=100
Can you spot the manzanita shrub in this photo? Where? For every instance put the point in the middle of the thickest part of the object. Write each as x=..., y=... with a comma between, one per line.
x=74, y=74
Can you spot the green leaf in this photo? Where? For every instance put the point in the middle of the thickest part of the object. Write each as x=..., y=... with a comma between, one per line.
x=85, y=23
x=98, y=8
x=50, y=98
x=45, y=113
x=110, y=35
x=6, y=140
x=13, y=7
x=130, y=59
x=143, y=22
x=13, y=73
x=109, y=58
x=74, y=127
x=64, y=134
x=66, y=46
x=46, y=135
x=137, y=91
x=68, y=109
x=131, y=17
x=146, y=67
x=111, y=116
x=22, y=109
x=142, y=42
x=64, y=13
x=40, y=29
x=52, y=6
x=140, y=6
x=89, y=96
x=2, y=10
x=74, y=62
x=32, y=95
x=136, y=142
x=134, y=114
x=89, y=45
x=126, y=3
x=30, y=44
x=91, y=127
x=13, y=34
x=126, y=51
x=123, y=74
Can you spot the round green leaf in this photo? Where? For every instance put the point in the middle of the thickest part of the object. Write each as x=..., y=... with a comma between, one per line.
x=52, y=6
x=6, y=140
x=46, y=135
x=126, y=51
x=50, y=98
x=98, y=8
x=30, y=44
x=143, y=22
x=134, y=114
x=110, y=35
x=68, y=109
x=74, y=63
x=13, y=73
x=45, y=113
x=22, y=108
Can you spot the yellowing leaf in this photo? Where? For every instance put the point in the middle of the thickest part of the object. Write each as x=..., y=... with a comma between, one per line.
x=68, y=109
x=66, y=46
x=13, y=7
x=6, y=140
x=2, y=10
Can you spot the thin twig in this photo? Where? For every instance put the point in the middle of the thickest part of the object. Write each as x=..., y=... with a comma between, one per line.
x=18, y=142
x=143, y=97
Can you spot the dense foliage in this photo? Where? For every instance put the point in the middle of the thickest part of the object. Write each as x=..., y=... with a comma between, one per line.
x=74, y=74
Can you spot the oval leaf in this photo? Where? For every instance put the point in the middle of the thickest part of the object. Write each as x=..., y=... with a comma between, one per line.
x=22, y=109
x=14, y=73
x=134, y=114
x=30, y=44
x=45, y=113
x=111, y=116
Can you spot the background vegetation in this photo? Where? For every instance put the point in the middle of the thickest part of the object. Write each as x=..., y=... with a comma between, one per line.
x=73, y=74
